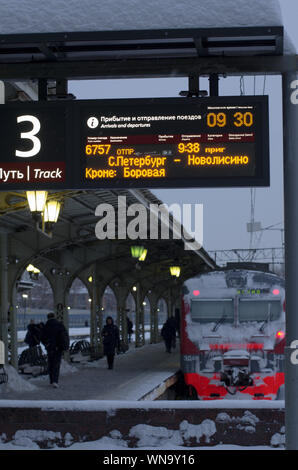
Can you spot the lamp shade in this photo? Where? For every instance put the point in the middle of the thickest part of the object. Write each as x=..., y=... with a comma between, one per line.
x=143, y=255
x=51, y=211
x=32, y=269
x=136, y=251
x=36, y=200
x=175, y=271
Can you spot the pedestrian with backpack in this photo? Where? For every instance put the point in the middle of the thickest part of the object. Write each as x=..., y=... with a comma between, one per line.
x=56, y=340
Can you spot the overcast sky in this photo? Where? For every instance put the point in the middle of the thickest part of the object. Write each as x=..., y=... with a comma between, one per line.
x=226, y=211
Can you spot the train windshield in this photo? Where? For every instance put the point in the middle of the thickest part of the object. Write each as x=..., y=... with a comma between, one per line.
x=213, y=310
x=259, y=310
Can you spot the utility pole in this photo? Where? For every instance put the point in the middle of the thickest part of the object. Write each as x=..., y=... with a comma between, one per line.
x=290, y=126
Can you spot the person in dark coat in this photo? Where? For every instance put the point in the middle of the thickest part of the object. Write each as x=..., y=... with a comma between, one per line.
x=40, y=329
x=177, y=319
x=173, y=325
x=168, y=332
x=129, y=328
x=32, y=337
x=56, y=340
x=111, y=341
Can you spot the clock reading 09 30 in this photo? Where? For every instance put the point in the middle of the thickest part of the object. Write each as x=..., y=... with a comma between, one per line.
x=239, y=119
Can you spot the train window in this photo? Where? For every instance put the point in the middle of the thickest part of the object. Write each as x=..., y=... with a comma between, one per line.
x=259, y=310
x=213, y=310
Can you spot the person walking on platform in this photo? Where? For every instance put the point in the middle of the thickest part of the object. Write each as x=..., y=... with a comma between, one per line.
x=129, y=328
x=173, y=325
x=32, y=337
x=40, y=327
x=56, y=340
x=111, y=341
x=168, y=332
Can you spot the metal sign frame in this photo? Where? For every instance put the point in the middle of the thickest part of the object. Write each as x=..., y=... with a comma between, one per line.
x=61, y=132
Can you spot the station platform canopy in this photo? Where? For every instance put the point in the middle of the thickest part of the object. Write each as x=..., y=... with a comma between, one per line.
x=59, y=32
x=75, y=232
x=72, y=249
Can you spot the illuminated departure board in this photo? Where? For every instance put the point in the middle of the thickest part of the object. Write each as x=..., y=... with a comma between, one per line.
x=162, y=143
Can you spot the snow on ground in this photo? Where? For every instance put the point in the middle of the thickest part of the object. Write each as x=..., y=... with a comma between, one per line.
x=107, y=443
x=136, y=373
x=83, y=331
x=75, y=334
x=15, y=383
x=18, y=383
x=41, y=16
x=111, y=405
x=67, y=368
x=146, y=438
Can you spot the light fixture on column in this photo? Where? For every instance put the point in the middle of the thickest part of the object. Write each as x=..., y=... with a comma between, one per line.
x=137, y=251
x=175, y=271
x=33, y=271
x=36, y=201
x=51, y=214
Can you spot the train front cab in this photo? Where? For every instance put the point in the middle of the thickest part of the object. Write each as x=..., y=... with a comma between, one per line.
x=223, y=364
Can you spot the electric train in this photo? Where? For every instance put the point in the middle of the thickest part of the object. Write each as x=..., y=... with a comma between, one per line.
x=233, y=335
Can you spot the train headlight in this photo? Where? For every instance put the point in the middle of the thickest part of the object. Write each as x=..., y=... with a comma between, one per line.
x=280, y=335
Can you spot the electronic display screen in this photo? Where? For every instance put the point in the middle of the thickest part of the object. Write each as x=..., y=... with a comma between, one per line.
x=175, y=143
x=161, y=143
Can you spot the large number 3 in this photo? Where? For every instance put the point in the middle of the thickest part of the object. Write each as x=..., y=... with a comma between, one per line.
x=30, y=135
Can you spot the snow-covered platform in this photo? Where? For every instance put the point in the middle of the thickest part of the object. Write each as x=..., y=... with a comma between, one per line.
x=139, y=424
x=135, y=375
x=113, y=406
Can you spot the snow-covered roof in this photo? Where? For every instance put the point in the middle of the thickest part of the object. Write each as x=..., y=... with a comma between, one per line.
x=46, y=16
